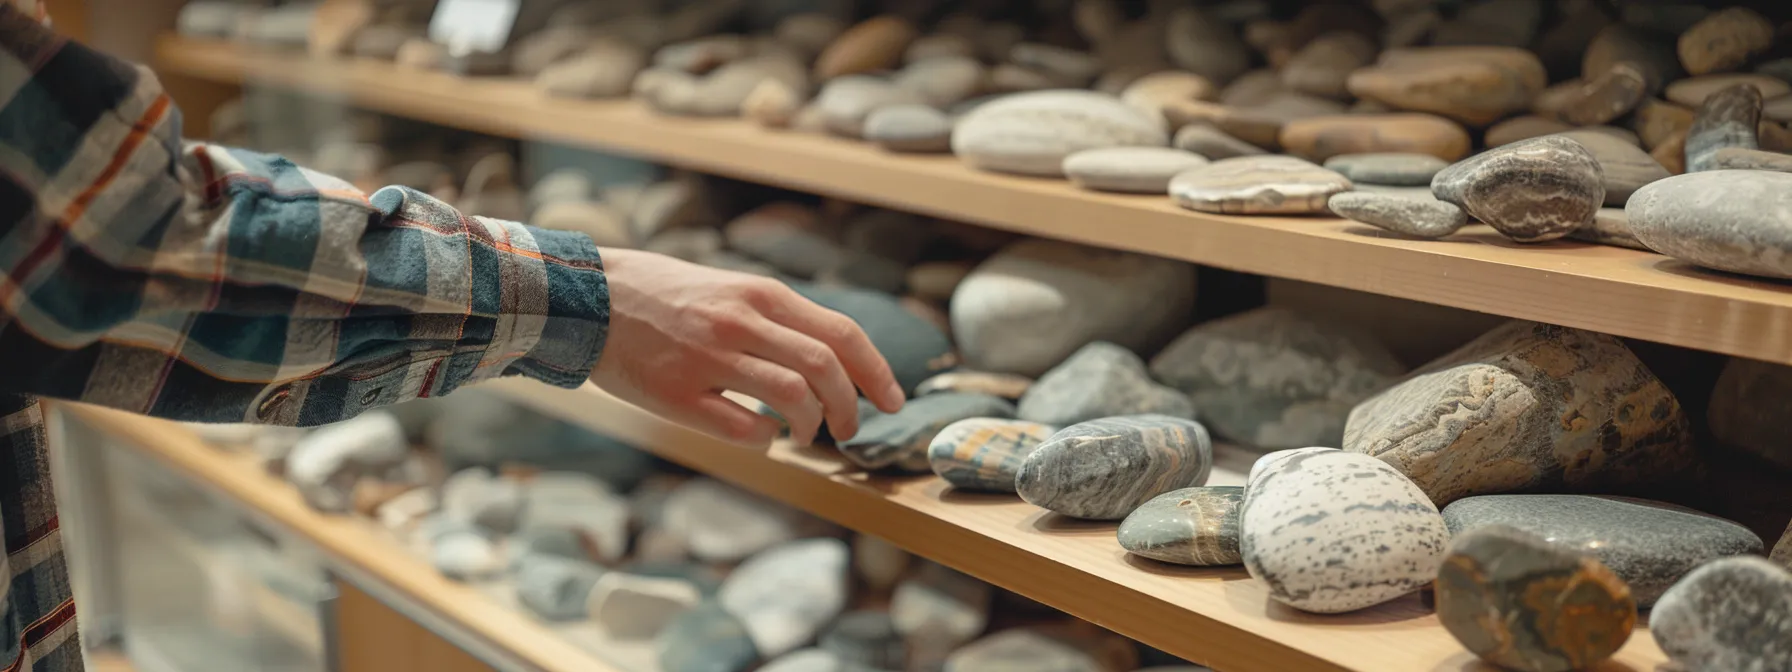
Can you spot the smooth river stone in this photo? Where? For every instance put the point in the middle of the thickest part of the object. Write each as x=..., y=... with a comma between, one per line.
x=985, y=453
x=1737, y=158
x=1474, y=85
x=1103, y=469
x=1213, y=143
x=1528, y=406
x=1523, y=603
x=1727, y=119
x=909, y=128
x=1037, y=301
x=1004, y=385
x=1031, y=133
x=1257, y=185
x=1692, y=91
x=1626, y=166
x=722, y=523
x=1329, y=531
x=1725, y=40
x=886, y=440
x=874, y=44
x=1588, y=102
x=787, y=594
x=1154, y=91
x=1733, y=614
x=1321, y=138
x=1140, y=170
x=1275, y=378
x=1731, y=220
x=1749, y=405
x=1530, y=191
x=1407, y=216
x=1650, y=545
x=1610, y=227
x=1101, y=380
x=845, y=105
x=705, y=639
x=1191, y=526
x=1398, y=169
x=942, y=81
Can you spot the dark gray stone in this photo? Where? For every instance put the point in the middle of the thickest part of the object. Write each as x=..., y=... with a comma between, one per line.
x=1727, y=119
x=1650, y=545
x=1731, y=220
x=1531, y=190
x=915, y=349
x=1523, y=603
x=555, y=587
x=1101, y=380
x=1749, y=407
x=478, y=428
x=886, y=440
x=1733, y=614
x=1103, y=469
x=705, y=639
x=1191, y=526
x=1396, y=169
x=1406, y=216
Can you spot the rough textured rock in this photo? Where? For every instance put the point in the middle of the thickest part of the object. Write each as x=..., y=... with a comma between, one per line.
x=1531, y=191
x=1692, y=91
x=785, y=595
x=1004, y=385
x=1101, y=380
x=1191, y=526
x=1142, y=170
x=941, y=607
x=705, y=639
x=985, y=453
x=874, y=44
x=1732, y=614
x=1748, y=407
x=1725, y=40
x=1610, y=227
x=1398, y=169
x=1408, y=216
x=1037, y=301
x=886, y=440
x=1321, y=138
x=1031, y=133
x=1649, y=545
x=1474, y=85
x=1730, y=220
x=1727, y=119
x=1329, y=531
x=1257, y=185
x=1625, y=166
x=1274, y=378
x=1489, y=418
x=1213, y=143
x=1103, y=469
x=1523, y=603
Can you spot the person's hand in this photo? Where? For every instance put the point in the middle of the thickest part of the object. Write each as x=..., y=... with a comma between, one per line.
x=681, y=333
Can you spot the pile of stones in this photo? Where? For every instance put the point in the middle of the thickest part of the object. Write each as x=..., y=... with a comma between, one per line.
x=586, y=533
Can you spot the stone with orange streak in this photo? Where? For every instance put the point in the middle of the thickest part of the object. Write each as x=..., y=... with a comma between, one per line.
x=985, y=453
x=1519, y=602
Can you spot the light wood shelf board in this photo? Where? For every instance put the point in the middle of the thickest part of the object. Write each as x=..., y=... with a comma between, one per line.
x=1217, y=617
x=350, y=540
x=1618, y=291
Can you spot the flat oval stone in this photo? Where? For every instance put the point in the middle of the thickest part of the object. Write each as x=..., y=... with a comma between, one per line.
x=943, y=80
x=1139, y=170
x=1151, y=93
x=1004, y=385
x=873, y=44
x=1725, y=40
x=1650, y=545
x=1103, y=469
x=1748, y=408
x=1727, y=119
x=1031, y=133
x=1321, y=67
x=1398, y=169
x=1329, y=531
x=1731, y=220
x=636, y=607
x=985, y=453
x=1191, y=526
x=1407, y=216
x=1587, y=102
x=1321, y=138
x=1474, y=85
x=1731, y=614
x=705, y=639
x=1257, y=185
x=1626, y=166
x=1101, y=380
x=845, y=104
x=887, y=439
x=1531, y=191
x=1275, y=378
x=1693, y=91
x=1523, y=603
x=910, y=128
x=1610, y=227
x=1488, y=418
x=786, y=595
x=1213, y=143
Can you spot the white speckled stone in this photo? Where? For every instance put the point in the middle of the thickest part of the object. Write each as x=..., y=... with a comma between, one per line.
x=1031, y=133
x=1730, y=220
x=1733, y=615
x=1103, y=469
x=1331, y=532
x=788, y=593
x=1140, y=170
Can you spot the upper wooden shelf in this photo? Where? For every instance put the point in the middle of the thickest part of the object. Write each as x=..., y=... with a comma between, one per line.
x=1618, y=291
x=1217, y=617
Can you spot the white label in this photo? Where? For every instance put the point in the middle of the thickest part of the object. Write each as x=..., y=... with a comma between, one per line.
x=465, y=26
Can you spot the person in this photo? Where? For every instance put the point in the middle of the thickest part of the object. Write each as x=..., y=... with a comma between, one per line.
x=204, y=283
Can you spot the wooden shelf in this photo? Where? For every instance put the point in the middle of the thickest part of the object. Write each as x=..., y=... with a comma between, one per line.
x=358, y=546
x=1217, y=617
x=1618, y=291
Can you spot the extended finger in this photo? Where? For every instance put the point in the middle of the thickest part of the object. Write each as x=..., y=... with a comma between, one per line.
x=786, y=391
x=864, y=365
x=818, y=364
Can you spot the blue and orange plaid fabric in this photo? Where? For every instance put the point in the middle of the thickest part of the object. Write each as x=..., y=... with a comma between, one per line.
x=204, y=283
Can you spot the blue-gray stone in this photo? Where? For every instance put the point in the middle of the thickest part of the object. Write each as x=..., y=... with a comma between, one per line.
x=915, y=349
x=1649, y=545
x=1733, y=615
x=548, y=540
x=886, y=440
x=1101, y=380
x=1191, y=526
x=1103, y=469
x=705, y=639
x=555, y=587
x=867, y=638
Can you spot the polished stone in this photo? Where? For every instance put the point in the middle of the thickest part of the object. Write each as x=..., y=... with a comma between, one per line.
x=722, y=523
x=886, y=439
x=915, y=349
x=1523, y=128
x=874, y=44
x=1625, y=166
x=787, y=594
x=1191, y=526
x=1257, y=185
x=1523, y=603
x=1213, y=143
x=1733, y=614
x=1324, y=137
x=942, y=81
x=1738, y=158
x=1031, y=133
x=1610, y=227
x=845, y=105
x=985, y=453
x=1101, y=380
x=1103, y=469
x=1730, y=220
x=1531, y=191
x=1139, y=170
x=1693, y=91
x=1418, y=218
x=1474, y=85
x=1397, y=169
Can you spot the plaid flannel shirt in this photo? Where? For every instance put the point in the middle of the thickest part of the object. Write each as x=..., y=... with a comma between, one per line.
x=199, y=282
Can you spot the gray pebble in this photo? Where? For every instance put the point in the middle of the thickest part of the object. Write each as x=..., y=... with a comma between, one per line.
x=1191, y=526
x=1733, y=615
x=1396, y=169
x=1101, y=380
x=1412, y=217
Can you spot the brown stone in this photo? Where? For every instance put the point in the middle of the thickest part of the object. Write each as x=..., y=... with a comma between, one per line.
x=1694, y=90
x=1726, y=119
x=1774, y=137
x=874, y=44
x=1322, y=67
x=1319, y=18
x=1412, y=28
x=1737, y=158
x=1657, y=120
x=1530, y=191
x=1619, y=43
x=1320, y=138
x=1474, y=85
x=1202, y=138
x=1257, y=185
x=1725, y=40
x=1199, y=43
x=1671, y=153
x=1157, y=90
x=1610, y=227
x=334, y=25
x=1748, y=409
x=1523, y=603
x=1252, y=88
x=1585, y=102
x=1626, y=166
x=1523, y=128
x=1562, y=47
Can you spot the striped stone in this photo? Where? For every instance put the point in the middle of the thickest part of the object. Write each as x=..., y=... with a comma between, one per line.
x=985, y=453
x=1103, y=469
x=1191, y=526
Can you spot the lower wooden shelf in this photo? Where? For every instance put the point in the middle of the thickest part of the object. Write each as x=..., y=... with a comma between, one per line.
x=1217, y=617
